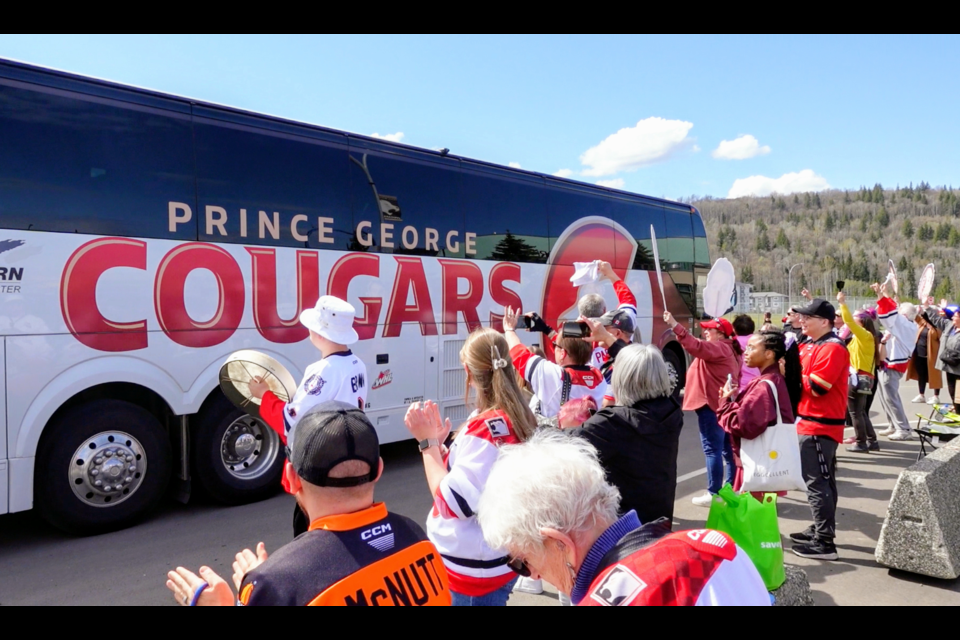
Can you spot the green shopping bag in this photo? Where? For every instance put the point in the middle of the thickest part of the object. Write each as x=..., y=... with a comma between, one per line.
x=753, y=526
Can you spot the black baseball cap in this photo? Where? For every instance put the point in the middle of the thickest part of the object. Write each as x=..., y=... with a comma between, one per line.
x=331, y=433
x=818, y=308
x=618, y=319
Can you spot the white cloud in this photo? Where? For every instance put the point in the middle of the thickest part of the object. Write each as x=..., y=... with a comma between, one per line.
x=805, y=180
x=652, y=140
x=514, y=165
x=563, y=173
x=616, y=183
x=392, y=137
x=741, y=148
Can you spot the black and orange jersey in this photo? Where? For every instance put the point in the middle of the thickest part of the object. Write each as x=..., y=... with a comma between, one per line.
x=368, y=558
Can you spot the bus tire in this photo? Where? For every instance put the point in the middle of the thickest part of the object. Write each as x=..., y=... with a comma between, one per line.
x=676, y=369
x=101, y=466
x=236, y=458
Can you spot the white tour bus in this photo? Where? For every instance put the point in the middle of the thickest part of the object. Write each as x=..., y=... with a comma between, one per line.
x=146, y=237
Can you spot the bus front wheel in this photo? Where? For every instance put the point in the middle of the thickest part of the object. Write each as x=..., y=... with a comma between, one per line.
x=101, y=466
x=236, y=458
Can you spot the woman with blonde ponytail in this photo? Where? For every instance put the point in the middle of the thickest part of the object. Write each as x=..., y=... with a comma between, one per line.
x=479, y=575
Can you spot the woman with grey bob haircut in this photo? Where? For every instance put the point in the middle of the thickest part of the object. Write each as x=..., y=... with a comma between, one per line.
x=638, y=437
x=640, y=374
x=548, y=504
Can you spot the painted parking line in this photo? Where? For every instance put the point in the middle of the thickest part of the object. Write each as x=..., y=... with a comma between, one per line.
x=692, y=474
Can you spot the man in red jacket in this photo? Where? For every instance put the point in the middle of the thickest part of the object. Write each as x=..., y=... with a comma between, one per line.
x=823, y=401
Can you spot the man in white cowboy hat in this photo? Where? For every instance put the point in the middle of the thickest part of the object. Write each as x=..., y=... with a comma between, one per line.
x=339, y=376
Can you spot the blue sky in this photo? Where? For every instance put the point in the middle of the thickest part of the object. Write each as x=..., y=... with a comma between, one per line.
x=647, y=113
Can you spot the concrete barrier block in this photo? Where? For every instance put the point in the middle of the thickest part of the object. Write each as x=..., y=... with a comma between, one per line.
x=921, y=533
x=795, y=590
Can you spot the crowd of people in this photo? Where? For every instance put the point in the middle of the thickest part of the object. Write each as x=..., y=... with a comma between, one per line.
x=566, y=470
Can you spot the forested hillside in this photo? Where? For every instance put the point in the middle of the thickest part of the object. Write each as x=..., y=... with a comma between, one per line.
x=839, y=235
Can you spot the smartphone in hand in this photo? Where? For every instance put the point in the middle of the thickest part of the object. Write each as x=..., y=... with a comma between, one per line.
x=575, y=330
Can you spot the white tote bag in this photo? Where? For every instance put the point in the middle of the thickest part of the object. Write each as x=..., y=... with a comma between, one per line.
x=771, y=462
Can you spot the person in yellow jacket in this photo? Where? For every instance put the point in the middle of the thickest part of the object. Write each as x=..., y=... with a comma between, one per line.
x=864, y=350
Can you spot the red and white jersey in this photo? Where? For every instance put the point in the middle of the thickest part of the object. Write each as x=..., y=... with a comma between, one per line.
x=689, y=568
x=472, y=566
x=546, y=381
x=340, y=376
x=628, y=303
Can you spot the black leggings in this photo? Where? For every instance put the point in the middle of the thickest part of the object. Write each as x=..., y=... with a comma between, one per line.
x=923, y=374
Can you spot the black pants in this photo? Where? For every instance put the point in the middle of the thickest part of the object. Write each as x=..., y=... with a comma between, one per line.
x=857, y=410
x=923, y=374
x=873, y=390
x=819, y=467
x=952, y=388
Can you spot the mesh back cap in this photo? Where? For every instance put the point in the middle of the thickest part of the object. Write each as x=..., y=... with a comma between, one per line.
x=331, y=433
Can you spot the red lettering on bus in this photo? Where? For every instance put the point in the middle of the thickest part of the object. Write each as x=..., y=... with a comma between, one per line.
x=503, y=297
x=78, y=294
x=342, y=274
x=265, y=315
x=170, y=302
x=453, y=302
x=410, y=276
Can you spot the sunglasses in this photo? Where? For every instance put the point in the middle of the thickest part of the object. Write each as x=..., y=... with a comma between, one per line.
x=519, y=567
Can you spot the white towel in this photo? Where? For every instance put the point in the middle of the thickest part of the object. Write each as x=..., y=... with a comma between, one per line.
x=585, y=273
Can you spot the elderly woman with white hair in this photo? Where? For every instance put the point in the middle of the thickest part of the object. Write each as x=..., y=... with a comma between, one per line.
x=638, y=438
x=549, y=505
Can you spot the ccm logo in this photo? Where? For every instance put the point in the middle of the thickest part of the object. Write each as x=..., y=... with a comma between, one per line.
x=376, y=531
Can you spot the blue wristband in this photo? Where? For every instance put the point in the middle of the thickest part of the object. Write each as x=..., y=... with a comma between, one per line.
x=197, y=593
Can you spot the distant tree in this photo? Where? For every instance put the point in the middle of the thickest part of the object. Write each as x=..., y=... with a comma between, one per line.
x=925, y=232
x=846, y=197
x=761, y=226
x=782, y=240
x=746, y=274
x=763, y=241
x=883, y=218
x=907, y=229
x=864, y=224
x=514, y=249
x=877, y=195
x=944, y=288
x=943, y=232
x=829, y=223
x=816, y=201
x=796, y=199
x=806, y=201
x=954, y=238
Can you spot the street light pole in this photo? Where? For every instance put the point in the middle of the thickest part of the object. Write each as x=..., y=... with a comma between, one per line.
x=790, y=284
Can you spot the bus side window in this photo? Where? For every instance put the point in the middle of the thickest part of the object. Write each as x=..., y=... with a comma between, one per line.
x=72, y=164
x=284, y=186
x=701, y=250
x=637, y=218
x=406, y=202
x=507, y=211
x=680, y=233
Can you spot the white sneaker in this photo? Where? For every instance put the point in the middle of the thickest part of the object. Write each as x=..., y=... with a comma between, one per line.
x=933, y=400
x=902, y=435
x=528, y=585
x=919, y=399
x=704, y=500
x=889, y=431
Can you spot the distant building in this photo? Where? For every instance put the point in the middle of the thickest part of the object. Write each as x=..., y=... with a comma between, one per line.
x=763, y=301
x=742, y=298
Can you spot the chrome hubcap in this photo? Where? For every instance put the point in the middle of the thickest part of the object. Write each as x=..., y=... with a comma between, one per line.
x=248, y=448
x=107, y=469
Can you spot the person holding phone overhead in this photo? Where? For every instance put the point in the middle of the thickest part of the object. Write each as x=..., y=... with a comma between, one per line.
x=570, y=378
x=715, y=358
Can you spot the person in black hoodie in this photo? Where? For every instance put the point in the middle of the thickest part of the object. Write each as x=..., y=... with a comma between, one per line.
x=638, y=438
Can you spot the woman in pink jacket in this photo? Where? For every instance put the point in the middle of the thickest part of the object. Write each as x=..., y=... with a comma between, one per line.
x=715, y=357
